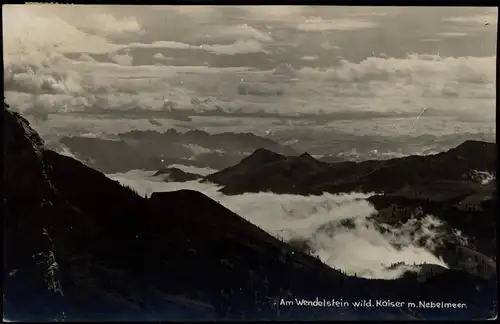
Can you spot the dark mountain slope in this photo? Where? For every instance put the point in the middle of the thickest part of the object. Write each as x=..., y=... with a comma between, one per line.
x=457, y=164
x=269, y=171
x=177, y=175
x=468, y=207
x=78, y=246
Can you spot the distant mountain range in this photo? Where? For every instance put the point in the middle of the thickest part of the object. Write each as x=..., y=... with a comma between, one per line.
x=81, y=247
x=151, y=150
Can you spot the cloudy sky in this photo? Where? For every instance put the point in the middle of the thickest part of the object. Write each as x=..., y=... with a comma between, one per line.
x=274, y=58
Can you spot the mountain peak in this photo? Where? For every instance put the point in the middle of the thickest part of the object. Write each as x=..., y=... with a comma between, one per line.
x=261, y=156
x=476, y=151
x=176, y=175
x=474, y=145
x=308, y=157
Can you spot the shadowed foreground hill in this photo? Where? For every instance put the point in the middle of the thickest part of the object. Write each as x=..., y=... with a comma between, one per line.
x=79, y=246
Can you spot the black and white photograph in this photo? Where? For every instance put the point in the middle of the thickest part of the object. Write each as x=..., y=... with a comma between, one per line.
x=249, y=163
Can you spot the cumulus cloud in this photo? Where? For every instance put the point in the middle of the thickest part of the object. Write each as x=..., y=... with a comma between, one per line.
x=96, y=19
x=161, y=44
x=41, y=80
x=109, y=25
x=195, y=12
x=37, y=51
x=107, y=85
x=32, y=37
x=452, y=34
x=159, y=56
x=309, y=58
x=240, y=32
x=113, y=71
x=239, y=47
x=319, y=24
x=326, y=45
x=86, y=58
x=338, y=228
x=122, y=59
x=445, y=85
x=416, y=75
x=370, y=13
x=431, y=40
x=473, y=19
x=274, y=13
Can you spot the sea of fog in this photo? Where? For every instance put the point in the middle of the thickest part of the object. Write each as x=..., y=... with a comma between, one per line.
x=359, y=247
